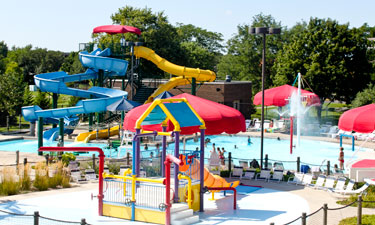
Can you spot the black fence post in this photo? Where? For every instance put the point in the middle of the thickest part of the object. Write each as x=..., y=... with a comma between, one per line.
x=266, y=161
x=24, y=161
x=328, y=167
x=36, y=218
x=298, y=164
x=303, y=219
x=83, y=221
x=93, y=161
x=8, y=124
x=359, y=211
x=325, y=214
x=128, y=158
x=229, y=161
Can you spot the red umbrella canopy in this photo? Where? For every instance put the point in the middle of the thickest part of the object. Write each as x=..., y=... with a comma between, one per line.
x=116, y=29
x=278, y=96
x=361, y=119
x=219, y=118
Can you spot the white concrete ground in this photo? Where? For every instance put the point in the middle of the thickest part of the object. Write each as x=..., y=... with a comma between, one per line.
x=259, y=207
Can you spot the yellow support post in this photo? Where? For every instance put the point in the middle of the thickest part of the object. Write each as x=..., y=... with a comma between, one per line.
x=189, y=200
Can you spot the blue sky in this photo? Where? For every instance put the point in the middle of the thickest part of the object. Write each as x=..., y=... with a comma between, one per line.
x=62, y=25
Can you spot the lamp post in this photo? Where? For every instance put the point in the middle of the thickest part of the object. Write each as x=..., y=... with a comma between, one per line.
x=263, y=31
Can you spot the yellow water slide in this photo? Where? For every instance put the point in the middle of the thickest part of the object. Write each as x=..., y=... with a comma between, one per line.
x=87, y=136
x=184, y=74
x=210, y=180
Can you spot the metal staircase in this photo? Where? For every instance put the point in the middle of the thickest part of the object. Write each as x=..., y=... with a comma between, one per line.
x=143, y=92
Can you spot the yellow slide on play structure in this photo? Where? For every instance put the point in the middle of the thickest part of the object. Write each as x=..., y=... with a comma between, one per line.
x=184, y=74
x=210, y=180
x=87, y=136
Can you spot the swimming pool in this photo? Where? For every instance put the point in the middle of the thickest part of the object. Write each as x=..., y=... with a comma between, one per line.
x=32, y=145
x=310, y=152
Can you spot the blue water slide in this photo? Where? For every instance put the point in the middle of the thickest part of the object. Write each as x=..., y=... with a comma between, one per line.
x=69, y=124
x=99, y=97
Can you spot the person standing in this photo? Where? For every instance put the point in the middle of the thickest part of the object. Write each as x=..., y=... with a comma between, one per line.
x=341, y=158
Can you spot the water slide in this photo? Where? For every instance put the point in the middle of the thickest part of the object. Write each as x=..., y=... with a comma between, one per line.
x=69, y=124
x=210, y=180
x=87, y=136
x=98, y=97
x=184, y=74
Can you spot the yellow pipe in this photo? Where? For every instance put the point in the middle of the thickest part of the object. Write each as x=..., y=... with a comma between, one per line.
x=145, y=114
x=158, y=181
x=189, y=200
x=158, y=133
x=126, y=172
x=133, y=188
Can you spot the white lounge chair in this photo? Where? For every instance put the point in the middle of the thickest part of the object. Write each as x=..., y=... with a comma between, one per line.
x=307, y=179
x=320, y=182
x=296, y=179
x=90, y=175
x=263, y=175
x=237, y=172
x=340, y=185
x=357, y=191
x=330, y=182
x=348, y=187
x=249, y=174
x=277, y=176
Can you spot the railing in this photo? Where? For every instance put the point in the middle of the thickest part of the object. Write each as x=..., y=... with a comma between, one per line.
x=146, y=193
x=36, y=219
x=325, y=215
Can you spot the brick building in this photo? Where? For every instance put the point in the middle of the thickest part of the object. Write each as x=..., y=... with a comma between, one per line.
x=236, y=94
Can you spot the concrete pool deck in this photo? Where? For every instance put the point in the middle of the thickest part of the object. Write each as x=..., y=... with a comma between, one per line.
x=275, y=202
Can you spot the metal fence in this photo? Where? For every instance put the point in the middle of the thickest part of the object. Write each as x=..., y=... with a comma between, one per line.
x=33, y=219
x=321, y=216
x=147, y=194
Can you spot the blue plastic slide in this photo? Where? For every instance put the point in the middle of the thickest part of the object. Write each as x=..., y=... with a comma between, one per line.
x=98, y=98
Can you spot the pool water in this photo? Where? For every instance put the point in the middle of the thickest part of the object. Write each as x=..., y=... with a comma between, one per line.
x=32, y=145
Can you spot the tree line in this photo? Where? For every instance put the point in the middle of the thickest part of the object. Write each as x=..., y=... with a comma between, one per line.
x=335, y=60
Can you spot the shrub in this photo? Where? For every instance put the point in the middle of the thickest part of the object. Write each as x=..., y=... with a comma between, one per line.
x=114, y=168
x=224, y=173
x=67, y=157
x=8, y=185
x=41, y=182
x=25, y=180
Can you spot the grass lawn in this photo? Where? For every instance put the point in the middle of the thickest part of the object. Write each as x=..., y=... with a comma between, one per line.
x=366, y=220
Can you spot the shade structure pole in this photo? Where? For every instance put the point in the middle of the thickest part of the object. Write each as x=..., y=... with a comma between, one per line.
x=164, y=149
x=262, y=116
x=291, y=135
x=176, y=167
x=201, y=172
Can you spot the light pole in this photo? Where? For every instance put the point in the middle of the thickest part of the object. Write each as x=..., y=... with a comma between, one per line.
x=263, y=31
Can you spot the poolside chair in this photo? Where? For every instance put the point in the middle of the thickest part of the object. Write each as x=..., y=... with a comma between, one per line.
x=296, y=179
x=90, y=175
x=249, y=174
x=320, y=182
x=244, y=164
x=357, y=191
x=237, y=172
x=330, y=182
x=75, y=175
x=340, y=184
x=349, y=187
x=263, y=175
x=307, y=178
x=277, y=176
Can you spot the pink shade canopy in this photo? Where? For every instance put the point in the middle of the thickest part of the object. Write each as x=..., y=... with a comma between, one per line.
x=278, y=96
x=361, y=119
x=116, y=29
x=219, y=118
x=365, y=163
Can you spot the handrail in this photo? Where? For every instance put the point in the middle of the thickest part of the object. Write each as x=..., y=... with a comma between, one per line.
x=189, y=200
x=226, y=189
x=142, y=179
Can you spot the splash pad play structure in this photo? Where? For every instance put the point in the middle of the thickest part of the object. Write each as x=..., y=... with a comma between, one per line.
x=136, y=198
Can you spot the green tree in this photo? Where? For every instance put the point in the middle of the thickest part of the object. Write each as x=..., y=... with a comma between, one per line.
x=72, y=65
x=42, y=100
x=11, y=92
x=28, y=97
x=244, y=58
x=331, y=57
x=365, y=97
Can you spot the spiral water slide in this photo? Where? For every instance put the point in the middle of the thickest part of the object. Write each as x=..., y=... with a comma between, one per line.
x=210, y=180
x=184, y=74
x=98, y=97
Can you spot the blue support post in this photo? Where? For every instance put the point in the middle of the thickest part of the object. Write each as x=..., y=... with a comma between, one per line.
x=138, y=153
